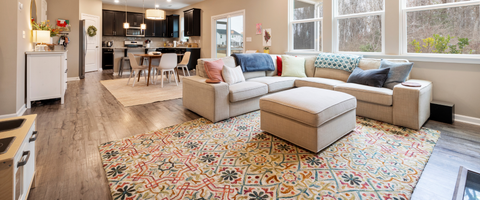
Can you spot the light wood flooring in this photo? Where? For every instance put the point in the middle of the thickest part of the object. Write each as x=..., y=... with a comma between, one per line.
x=69, y=164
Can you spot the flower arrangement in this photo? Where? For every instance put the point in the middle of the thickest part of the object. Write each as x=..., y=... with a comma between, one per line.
x=45, y=26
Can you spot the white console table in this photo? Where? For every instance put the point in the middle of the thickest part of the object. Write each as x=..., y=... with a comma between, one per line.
x=46, y=75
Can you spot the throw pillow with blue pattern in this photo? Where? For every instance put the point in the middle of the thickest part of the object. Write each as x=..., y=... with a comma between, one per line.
x=338, y=61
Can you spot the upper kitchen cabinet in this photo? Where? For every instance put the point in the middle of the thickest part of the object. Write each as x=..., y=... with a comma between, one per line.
x=150, y=31
x=160, y=28
x=192, y=22
x=173, y=26
x=113, y=23
x=135, y=19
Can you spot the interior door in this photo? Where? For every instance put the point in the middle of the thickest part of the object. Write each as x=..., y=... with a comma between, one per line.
x=92, y=57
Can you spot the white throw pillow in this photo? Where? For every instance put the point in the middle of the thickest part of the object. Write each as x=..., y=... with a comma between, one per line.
x=233, y=75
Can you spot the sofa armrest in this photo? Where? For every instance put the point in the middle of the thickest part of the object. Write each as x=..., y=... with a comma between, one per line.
x=411, y=105
x=208, y=100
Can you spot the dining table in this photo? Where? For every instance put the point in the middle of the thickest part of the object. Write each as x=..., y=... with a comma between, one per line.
x=150, y=58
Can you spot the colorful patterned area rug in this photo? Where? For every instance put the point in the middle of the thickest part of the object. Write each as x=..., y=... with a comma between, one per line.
x=234, y=159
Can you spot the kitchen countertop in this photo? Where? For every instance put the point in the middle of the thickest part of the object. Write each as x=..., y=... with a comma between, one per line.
x=151, y=48
x=46, y=52
x=18, y=133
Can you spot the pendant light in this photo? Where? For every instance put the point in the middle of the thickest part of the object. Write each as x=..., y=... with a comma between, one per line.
x=143, y=26
x=155, y=14
x=126, y=25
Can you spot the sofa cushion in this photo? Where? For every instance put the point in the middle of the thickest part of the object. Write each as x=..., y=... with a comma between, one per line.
x=247, y=90
x=276, y=84
x=213, y=69
x=293, y=67
x=398, y=72
x=320, y=107
x=228, y=61
x=323, y=83
x=371, y=77
x=382, y=96
x=365, y=64
x=250, y=75
x=232, y=75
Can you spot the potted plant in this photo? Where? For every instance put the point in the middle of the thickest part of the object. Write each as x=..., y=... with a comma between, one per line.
x=266, y=50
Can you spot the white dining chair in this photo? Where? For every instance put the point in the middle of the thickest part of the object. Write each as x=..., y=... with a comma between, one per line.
x=184, y=63
x=136, y=69
x=168, y=62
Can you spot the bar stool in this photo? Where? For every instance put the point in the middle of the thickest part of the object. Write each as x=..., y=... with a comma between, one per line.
x=122, y=62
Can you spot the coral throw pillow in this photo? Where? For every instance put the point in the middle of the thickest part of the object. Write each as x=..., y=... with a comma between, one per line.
x=213, y=69
x=279, y=66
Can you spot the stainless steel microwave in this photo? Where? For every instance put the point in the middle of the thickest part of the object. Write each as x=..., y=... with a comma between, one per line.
x=135, y=32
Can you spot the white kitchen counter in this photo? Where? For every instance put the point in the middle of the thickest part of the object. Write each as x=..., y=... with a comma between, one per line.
x=45, y=52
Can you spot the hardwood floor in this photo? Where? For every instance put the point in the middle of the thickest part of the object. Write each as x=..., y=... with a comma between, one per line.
x=69, y=165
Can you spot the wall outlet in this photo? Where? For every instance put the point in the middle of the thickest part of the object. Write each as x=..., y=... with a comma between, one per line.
x=23, y=34
x=249, y=39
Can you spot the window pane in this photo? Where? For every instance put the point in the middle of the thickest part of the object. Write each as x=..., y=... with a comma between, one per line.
x=307, y=35
x=412, y=3
x=307, y=9
x=236, y=32
x=449, y=31
x=360, y=34
x=221, y=38
x=346, y=7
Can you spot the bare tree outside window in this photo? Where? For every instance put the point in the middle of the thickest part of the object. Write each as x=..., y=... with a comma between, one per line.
x=346, y=7
x=356, y=33
x=414, y=3
x=453, y=30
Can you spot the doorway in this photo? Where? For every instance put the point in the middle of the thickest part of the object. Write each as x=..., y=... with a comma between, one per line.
x=228, y=31
x=92, y=56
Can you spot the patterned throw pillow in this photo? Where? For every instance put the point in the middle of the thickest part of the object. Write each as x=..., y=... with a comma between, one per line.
x=338, y=61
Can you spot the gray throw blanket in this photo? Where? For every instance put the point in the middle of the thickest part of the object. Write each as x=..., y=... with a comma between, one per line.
x=254, y=62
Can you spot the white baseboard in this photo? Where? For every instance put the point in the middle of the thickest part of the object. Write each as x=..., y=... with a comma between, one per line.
x=73, y=79
x=467, y=119
x=124, y=73
x=18, y=114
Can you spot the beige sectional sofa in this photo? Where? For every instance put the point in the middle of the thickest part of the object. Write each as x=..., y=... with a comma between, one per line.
x=403, y=106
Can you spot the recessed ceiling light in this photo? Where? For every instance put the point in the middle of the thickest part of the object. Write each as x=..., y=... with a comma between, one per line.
x=117, y=1
x=156, y=6
x=169, y=0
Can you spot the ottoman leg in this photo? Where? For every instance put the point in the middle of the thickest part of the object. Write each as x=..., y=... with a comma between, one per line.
x=311, y=138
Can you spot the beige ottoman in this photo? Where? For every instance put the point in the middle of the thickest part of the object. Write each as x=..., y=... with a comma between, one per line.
x=311, y=118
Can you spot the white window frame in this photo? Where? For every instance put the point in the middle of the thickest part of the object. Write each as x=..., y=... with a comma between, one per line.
x=214, y=30
x=291, y=22
x=404, y=42
x=336, y=36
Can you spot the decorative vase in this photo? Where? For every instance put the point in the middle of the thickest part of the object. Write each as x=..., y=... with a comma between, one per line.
x=266, y=51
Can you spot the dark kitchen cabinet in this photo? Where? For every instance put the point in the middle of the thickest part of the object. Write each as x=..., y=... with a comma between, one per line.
x=135, y=19
x=173, y=26
x=192, y=22
x=113, y=23
x=160, y=28
x=149, y=32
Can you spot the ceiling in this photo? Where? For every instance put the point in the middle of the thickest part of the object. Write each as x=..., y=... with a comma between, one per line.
x=164, y=4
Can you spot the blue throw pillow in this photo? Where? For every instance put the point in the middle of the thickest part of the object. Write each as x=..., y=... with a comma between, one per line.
x=372, y=77
x=398, y=72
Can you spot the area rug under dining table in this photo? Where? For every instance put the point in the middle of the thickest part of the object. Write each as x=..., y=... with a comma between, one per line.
x=234, y=159
x=141, y=94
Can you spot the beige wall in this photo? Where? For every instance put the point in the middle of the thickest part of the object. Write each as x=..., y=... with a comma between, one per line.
x=23, y=44
x=452, y=82
x=271, y=13
x=68, y=9
x=8, y=55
